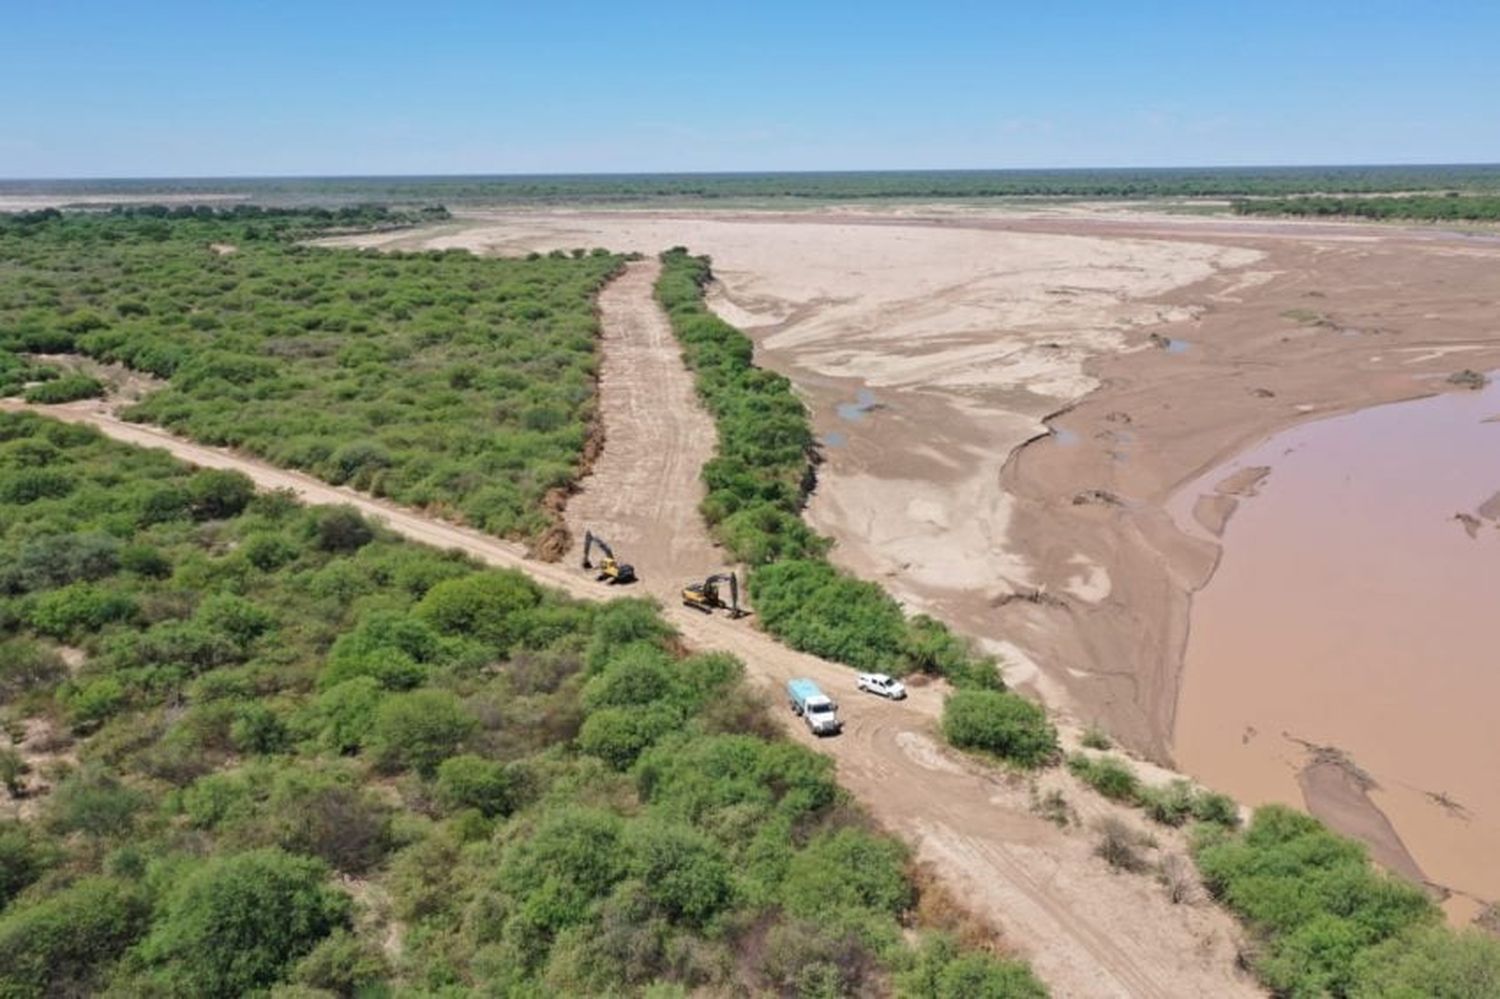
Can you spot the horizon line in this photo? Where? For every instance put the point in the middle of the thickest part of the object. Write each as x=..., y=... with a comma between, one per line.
x=604, y=174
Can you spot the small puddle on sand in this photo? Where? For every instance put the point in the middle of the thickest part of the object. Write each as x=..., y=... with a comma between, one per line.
x=1064, y=436
x=864, y=401
x=1353, y=609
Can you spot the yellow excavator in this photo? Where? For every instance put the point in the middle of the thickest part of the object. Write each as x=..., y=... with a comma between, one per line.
x=706, y=596
x=611, y=569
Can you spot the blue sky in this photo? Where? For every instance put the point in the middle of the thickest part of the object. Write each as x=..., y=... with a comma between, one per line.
x=214, y=87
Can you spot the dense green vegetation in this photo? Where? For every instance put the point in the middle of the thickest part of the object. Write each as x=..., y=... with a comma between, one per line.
x=1451, y=206
x=441, y=380
x=811, y=186
x=1328, y=923
x=757, y=484
x=992, y=721
x=298, y=753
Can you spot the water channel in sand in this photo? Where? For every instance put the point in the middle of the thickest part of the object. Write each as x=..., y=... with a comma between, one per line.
x=1356, y=607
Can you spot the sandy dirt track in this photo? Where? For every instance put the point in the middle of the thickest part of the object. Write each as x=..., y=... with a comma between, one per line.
x=1086, y=930
x=643, y=491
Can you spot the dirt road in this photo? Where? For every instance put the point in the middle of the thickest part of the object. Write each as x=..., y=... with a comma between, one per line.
x=1086, y=930
x=643, y=492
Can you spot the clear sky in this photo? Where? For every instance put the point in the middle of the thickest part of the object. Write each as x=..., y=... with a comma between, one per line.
x=125, y=88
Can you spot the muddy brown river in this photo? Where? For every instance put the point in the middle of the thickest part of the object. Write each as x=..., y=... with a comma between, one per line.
x=1343, y=657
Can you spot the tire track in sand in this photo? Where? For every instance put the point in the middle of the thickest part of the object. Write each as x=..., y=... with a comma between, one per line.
x=1087, y=932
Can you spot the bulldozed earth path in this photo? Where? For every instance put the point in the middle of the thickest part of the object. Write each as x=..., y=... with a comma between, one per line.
x=1086, y=930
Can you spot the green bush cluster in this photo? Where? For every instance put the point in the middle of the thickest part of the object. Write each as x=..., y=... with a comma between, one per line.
x=68, y=388
x=16, y=372
x=757, y=484
x=1172, y=804
x=762, y=471
x=1329, y=923
x=1000, y=723
x=441, y=380
x=292, y=752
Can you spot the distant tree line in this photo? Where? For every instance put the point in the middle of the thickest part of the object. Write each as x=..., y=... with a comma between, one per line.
x=1450, y=206
x=1214, y=182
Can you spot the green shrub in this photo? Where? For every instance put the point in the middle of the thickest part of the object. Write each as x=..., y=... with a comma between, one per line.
x=1429, y=963
x=324, y=815
x=268, y=552
x=348, y=713
x=342, y=529
x=93, y=801
x=999, y=722
x=619, y=735
x=570, y=861
x=474, y=782
x=216, y=495
x=394, y=649
x=91, y=703
x=60, y=559
x=24, y=857
x=1219, y=809
x=848, y=869
x=943, y=971
x=60, y=944
x=26, y=666
x=1095, y=737
x=236, y=923
x=68, y=388
x=1109, y=775
x=683, y=871
x=1171, y=805
x=79, y=609
x=13, y=770
x=344, y=965
x=484, y=605
x=419, y=730
x=259, y=729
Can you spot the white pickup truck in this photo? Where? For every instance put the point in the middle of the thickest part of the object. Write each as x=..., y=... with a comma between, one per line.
x=884, y=686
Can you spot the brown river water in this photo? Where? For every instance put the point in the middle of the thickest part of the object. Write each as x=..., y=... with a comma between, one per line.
x=1356, y=607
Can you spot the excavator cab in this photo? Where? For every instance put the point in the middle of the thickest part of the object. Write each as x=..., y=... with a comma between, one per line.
x=707, y=595
x=611, y=570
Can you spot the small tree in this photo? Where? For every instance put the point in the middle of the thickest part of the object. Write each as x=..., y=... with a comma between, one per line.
x=999, y=722
x=342, y=529
x=474, y=782
x=420, y=730
x=236, y=923
x=216, y=495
